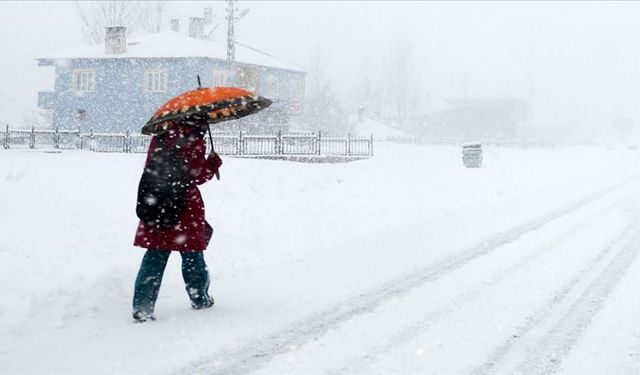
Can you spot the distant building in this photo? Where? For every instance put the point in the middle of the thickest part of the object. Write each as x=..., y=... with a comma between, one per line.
x=473, y=119
x=119, y=85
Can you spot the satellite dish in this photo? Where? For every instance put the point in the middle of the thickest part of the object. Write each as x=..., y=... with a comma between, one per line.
x=81, y=114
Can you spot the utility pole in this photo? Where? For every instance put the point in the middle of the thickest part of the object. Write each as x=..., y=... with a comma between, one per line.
x=232, y=6
x=231, y=19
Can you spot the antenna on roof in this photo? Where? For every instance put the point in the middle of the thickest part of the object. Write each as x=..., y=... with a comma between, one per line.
x=199, y=84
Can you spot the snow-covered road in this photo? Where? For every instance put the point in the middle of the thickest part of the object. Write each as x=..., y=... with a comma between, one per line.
x=516, y=303
x=405, y=263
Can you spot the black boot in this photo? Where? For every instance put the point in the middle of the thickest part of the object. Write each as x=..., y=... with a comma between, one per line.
x=205, y=304
x=142, y=316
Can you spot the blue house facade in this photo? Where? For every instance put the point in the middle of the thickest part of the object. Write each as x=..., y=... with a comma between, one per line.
x=114, y=89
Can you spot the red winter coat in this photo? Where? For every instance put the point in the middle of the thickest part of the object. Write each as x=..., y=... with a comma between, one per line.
x=192, y=233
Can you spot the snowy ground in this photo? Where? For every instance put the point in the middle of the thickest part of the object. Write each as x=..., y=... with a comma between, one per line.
x=404, y=263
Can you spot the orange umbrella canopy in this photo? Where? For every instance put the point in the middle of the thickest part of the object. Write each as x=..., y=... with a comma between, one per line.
x=206, y=105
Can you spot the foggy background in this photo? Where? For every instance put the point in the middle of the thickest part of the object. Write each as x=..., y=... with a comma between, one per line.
x=574, y=63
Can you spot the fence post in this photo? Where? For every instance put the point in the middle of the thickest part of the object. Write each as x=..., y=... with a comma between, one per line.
x=56, y=138
x=91, y=143
x=6, y=138
x=240, y=143
x=127, y=141
x=279, y=148
x=319, y=138
x=79, y=142
x=349, y=144
x=32, y=140
x=371, y=144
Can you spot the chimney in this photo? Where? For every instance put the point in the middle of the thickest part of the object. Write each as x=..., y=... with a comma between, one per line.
x=207, y=14
x=115, y=40
x=196, y=27
x=175, y=25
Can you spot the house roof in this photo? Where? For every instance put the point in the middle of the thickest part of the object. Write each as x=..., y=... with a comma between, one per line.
x=173, y=44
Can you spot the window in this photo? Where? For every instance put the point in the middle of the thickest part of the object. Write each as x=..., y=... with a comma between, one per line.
x=272, y=87
x=295, y=104
x=296, y=91
x=155, y=80
x=219, y=78
x=83, y=80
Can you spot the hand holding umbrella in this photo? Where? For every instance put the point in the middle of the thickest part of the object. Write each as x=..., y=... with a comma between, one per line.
x=213, y=152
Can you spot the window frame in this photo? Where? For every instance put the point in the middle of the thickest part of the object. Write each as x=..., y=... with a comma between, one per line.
x=273, y=86
x=83, y=80
x=296, y=91
x=150, y=82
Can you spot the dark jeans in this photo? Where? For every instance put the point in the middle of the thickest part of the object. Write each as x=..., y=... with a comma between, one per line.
x=194, y=273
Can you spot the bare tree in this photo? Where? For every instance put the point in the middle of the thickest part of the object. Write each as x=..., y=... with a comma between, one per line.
x=371, y=87
x=401, y=79
x=151, y=15
x=322, y=109
x=96, y=15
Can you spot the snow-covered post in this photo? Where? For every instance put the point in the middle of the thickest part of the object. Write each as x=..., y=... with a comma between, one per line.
x=240, y=143
x=319, y=138
x=127, y=141
x=279, y=143
x=32, y=138
x=349, y=144
x=91, y=143
x=371, y=144
x=6, y=137
x=56, y=138
x=79, y=139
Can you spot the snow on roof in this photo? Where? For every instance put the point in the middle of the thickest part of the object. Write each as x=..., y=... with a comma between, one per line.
x=173, y=44
x=379, y=130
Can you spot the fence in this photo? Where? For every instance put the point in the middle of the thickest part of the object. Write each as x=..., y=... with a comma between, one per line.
x=30, y=138
x=224, y=144
x=512, y=143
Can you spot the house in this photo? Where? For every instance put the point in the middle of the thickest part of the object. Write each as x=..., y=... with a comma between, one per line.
x=117, y=86
x=473, y=119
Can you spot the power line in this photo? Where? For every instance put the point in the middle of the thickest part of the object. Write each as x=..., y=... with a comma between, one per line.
x=19, y=81
x=8, y=85
x=30, y=109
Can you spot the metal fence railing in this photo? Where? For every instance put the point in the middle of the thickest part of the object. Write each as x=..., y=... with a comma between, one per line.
x=225, y=144
x=259, y=145
x=299, y=144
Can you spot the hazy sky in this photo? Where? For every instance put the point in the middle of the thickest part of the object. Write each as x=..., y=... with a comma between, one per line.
x=574, y=60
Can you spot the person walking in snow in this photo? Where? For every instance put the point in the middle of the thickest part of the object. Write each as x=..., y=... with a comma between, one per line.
x=171, y=212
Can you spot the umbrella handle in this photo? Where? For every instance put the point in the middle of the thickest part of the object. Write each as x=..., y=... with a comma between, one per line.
x=212, y=149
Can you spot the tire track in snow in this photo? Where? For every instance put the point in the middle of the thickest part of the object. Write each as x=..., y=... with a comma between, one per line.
x=547, y=310
x=551, y=350
x=416, y=329
x=259, y=351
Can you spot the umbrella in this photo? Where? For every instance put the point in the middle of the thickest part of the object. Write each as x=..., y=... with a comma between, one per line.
x=205, y=106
